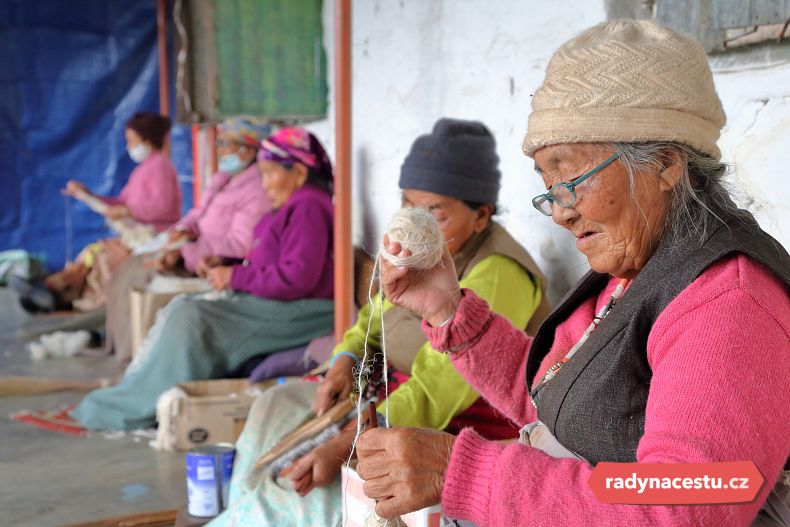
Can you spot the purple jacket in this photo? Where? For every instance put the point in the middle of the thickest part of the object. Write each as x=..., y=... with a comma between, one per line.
x=292, y=255
x=226, y=216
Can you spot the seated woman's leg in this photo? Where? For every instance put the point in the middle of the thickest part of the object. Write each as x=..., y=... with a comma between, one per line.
x=195, y=338
x=254, y=498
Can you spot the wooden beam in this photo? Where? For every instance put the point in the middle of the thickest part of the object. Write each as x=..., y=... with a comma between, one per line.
x=344, y=257
x=164, y=518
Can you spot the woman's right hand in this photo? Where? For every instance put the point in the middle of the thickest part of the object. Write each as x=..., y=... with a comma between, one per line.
x=74, y=187
x=433, y=294
x=207, y=263
x=321, y=466
x=336, y=386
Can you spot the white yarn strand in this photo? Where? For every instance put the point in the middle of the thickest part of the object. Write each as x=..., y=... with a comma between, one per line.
x=361, y=368
x=384, y=359
x=417, y=231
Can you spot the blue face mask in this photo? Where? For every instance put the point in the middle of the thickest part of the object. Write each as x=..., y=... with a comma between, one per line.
x=231, y=164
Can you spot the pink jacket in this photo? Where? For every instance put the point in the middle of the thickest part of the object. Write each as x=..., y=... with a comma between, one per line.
x=226, y=217
x=152, y=194
x=720, y=357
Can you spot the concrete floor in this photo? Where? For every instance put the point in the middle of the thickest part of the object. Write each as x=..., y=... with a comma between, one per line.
x=49, y=479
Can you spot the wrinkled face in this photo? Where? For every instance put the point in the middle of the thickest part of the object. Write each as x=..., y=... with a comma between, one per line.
x=280, y=182
x=456, y=220
x=616, y=229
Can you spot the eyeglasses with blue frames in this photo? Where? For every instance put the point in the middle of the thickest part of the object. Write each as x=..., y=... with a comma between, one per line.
x=564, y=194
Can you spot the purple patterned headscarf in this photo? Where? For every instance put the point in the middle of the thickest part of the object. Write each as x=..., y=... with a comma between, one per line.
x=296, y=145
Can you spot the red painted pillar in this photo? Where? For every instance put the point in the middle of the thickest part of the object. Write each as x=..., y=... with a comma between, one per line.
x=344, y=257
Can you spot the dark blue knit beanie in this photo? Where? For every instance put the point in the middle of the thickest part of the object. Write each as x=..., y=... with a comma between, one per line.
x=457, y=159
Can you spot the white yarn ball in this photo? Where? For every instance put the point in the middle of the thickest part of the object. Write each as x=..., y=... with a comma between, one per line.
x=417, y=230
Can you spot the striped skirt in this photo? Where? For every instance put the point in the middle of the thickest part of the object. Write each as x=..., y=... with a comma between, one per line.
x=197, y=337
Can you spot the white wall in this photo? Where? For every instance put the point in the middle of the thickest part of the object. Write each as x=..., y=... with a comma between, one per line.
x=755, y=90
x=418, y=60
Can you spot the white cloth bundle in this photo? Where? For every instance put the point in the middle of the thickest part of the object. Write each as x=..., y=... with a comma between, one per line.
x=168, y=406
x=60, y=344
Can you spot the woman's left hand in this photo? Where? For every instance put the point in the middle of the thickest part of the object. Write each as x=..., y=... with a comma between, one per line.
x=321, y=466
x=219, y=277
x=207, y=263
x=116, y=212
x=403, y=468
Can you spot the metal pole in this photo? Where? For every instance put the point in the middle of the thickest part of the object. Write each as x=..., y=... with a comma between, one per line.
x=344, y=258
x=161, y=32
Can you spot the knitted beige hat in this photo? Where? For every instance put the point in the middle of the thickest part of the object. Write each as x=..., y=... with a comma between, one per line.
x=627, y=81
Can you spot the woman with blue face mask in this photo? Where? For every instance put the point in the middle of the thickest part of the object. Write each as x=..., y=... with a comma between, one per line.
x=151, y=196
x=220, y=225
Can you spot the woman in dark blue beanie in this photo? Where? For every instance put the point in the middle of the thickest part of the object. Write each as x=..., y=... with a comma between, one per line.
x=457, y=159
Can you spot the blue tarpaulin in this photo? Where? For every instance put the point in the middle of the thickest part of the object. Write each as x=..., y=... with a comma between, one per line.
x=71, y=74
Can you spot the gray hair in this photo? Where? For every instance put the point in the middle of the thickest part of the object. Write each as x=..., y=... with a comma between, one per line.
x=699, y=199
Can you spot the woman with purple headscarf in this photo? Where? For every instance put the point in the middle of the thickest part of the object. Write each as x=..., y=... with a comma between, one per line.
x=277, y=298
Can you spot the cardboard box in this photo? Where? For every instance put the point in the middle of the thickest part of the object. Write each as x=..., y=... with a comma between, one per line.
x=357, y=506
x=214, y=411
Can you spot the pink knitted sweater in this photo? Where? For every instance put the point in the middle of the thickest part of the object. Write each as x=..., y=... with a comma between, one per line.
x=152, y=194
x=720, y=357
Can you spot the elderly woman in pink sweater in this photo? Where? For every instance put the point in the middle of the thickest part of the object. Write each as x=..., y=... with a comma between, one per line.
x=151, y=196
x=674, y=348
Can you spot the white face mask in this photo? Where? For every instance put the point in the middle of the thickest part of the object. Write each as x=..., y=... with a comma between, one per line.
x=139, y=153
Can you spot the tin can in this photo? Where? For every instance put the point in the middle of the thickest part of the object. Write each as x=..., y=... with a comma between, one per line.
x=209, y=469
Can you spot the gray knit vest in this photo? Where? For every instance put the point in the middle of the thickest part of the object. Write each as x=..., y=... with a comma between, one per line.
x=595, y=406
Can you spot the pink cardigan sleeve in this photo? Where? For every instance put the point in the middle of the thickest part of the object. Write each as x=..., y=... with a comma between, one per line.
x=719, y=356
x=234, y=242
x=474, y=319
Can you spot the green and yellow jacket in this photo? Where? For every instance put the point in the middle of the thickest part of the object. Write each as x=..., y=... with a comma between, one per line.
x=499, y=270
